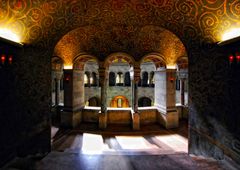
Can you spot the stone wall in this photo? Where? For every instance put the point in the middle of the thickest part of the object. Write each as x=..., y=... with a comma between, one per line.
x=146, y=92
x=113, y=91
x=90, y=115
x=160, y=90
x=119, y=116
x=25, y=102
x=148, y=115
x=92, y=92
x=214, y=102
x=142, y=92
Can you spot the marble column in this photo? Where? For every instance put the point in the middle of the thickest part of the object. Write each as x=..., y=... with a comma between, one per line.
x=73, y=98
x=103, y=81
x=165, y=97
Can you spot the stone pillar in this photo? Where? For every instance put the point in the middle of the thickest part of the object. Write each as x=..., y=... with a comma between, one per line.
x=103, y=81
x=136, y=116
x=73, y=98
x=124, y=78
x=89, y=78
x=183, y=75
x=58, y=76
x=182, y=85
x=165, y=97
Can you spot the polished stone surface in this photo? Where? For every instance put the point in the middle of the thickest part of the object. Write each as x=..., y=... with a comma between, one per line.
x=152, y=148
x=73, y=161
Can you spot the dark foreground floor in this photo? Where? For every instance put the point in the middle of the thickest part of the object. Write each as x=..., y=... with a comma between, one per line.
x=75, y=161
x=152, y=148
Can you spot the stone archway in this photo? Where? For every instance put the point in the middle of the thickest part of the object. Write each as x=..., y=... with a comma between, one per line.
x=144, y=102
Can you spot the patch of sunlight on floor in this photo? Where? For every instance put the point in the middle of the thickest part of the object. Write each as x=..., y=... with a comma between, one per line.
x=134, y=142
x=174, y=141
x=93, y=144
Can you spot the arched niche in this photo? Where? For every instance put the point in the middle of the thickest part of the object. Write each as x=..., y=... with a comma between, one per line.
x=94, y=101
x=119, y=102
x=144, y=102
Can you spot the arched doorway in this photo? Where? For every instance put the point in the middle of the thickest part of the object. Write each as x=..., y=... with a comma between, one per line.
x=144, y=102
x=94, y=101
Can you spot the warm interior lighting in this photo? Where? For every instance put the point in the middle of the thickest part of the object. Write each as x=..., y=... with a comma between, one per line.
x=238, y=58
x=67, y=78
x=230, y=34
x=231, y=58
x=9, y=35
x=171, y=66
x=68, y=66
x=10, y=59
x=3, y=58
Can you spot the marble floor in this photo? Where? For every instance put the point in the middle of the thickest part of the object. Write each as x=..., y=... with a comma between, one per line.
x=153, y=141
x=120, y=148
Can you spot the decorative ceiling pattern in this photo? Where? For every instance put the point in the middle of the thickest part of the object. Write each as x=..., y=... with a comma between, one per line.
x=135, y=41
x=116, y=22
x=157, y=59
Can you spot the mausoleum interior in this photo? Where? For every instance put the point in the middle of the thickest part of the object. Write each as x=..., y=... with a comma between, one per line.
x=119, y=84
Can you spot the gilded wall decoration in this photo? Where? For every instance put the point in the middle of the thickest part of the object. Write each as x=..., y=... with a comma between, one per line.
x=38, y=20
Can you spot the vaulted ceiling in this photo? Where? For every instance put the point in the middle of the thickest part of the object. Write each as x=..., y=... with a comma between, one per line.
x=104, y=26
x=135, y=41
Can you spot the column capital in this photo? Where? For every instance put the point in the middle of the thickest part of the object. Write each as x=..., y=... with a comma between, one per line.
x=182, y=74
x=58, y=74
x=137, y=72
x=79, y=66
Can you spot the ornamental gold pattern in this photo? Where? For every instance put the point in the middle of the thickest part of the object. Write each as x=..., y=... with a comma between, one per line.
x=116, y=23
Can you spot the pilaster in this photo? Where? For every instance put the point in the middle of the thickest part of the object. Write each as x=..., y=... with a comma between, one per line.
x=73, y=97
x=165, y=97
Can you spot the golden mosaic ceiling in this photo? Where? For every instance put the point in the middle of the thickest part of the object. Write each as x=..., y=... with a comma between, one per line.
x=135, y=41
x=45, y=22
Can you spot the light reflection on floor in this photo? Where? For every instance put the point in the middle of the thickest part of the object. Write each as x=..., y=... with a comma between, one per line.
x=88, y=143
x=151, y=148
x=93, y=144
x=134, y=142
x=174, y=141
